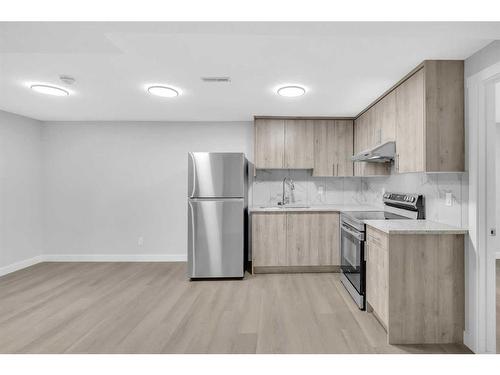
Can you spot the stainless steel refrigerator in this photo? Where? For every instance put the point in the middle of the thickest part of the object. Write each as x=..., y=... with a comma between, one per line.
x=217, y=204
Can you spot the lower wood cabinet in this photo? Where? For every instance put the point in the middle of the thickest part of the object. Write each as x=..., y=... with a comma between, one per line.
x=377, y=280
x=415, y=286
x=269, y=239
x=295, y=241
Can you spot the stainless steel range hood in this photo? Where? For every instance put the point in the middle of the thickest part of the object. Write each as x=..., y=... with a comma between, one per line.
x=382, y=153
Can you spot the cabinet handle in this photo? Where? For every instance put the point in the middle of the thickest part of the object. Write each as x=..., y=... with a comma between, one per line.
x=337, y=169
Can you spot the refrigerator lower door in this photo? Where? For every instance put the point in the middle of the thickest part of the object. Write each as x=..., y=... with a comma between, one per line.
x=215, y=238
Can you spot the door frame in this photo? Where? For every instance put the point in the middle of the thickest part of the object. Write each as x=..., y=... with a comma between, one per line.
x=480, y=332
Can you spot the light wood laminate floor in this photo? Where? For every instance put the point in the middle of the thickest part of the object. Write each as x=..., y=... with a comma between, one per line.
x=153, y=308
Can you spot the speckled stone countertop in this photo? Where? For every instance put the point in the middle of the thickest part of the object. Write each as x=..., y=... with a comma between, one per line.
x=414, y=227
x=324, y=208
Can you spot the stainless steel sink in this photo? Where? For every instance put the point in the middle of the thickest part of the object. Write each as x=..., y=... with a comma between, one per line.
x=285, y=206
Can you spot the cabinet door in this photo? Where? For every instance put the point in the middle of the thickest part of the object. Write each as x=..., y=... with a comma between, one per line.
x=341, y=138
x=313, y=239
x=377, y=280
x=364, y=138
x=269, y=143
x=410, y=124
x=385, y=113
x=324, y=164
x=360, y=141
x=269, y=239
x=299, y=144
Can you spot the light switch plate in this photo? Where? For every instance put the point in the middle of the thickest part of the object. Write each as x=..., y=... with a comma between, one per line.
x=449, y=199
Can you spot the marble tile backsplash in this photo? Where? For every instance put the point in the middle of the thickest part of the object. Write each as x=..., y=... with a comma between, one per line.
x=309, y=190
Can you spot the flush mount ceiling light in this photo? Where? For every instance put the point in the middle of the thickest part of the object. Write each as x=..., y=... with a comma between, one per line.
x=49, y=90
x=163, y=91
x=291, y=91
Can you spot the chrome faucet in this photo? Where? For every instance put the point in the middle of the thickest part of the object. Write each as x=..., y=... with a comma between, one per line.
x=284, y=198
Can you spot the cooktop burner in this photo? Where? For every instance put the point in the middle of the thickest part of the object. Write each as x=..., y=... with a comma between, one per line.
x=356, y=219
x=372, y=215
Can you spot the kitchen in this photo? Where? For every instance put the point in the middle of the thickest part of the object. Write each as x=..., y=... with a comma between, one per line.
x=298, y=221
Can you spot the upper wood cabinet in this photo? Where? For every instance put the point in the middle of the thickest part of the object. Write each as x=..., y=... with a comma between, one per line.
x=333, y=148
x=368, y=132
x=323, y=145
x=385, y=119
x=410, y=124
x=299, y=144
x=430, y=119
x=283, y=143
x=424, y=114
x=269, y=143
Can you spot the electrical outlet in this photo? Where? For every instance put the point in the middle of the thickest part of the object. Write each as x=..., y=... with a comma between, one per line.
x=321, y=193
x=140, y=241
x=321, y=190
x=449, y=199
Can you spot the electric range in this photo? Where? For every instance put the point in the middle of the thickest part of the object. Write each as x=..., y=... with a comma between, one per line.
x=397, y=206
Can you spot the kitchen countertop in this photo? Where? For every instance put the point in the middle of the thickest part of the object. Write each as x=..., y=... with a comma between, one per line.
x=414, y=227
x=324, y=208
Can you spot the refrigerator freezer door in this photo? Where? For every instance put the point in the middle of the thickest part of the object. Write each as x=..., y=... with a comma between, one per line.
x=215, y=238
x=216, y=175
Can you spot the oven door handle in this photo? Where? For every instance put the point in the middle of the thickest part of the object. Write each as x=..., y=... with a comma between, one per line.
x=357, y=235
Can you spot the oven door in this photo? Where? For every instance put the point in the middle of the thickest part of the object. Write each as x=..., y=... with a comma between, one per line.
x=352, y=257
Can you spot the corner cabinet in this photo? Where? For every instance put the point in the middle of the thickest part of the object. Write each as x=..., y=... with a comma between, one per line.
x=424, y=114
x=295, y=241
x=323, y=145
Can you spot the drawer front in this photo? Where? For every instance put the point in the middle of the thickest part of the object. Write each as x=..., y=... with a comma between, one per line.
x=377, y=237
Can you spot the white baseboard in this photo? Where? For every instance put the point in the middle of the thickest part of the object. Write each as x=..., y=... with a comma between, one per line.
x=469, y=341
x=114, y=257
x=20, y=265
x=92, y=258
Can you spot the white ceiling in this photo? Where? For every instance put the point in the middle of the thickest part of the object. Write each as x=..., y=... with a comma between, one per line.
x=344, y=65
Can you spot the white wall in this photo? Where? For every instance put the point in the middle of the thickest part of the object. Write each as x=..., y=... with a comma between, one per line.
x=20, y=191
x=107, y=184
x=497, y=177
x=497, y=103
x=475, y=296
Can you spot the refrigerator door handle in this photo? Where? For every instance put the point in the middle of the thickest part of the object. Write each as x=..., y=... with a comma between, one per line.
x=193, y=239
x=193, y=168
